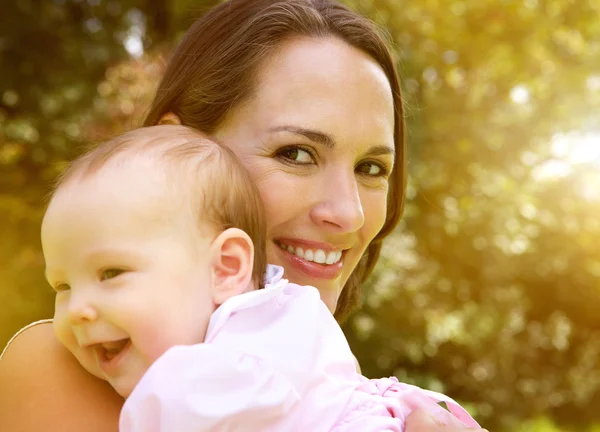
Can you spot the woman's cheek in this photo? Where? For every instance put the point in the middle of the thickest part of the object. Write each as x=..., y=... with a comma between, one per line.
x=283, y=196
x=375, y=208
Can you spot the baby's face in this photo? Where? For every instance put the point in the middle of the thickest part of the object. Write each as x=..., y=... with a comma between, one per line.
x=130, y=275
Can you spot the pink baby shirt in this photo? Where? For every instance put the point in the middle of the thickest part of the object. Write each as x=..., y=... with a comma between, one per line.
x=273, y=360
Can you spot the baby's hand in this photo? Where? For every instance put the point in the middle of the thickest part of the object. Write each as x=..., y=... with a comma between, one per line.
x=423, y=420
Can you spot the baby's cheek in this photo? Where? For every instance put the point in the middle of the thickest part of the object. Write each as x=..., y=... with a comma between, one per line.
x=64, y=334
x=62, y=329
x=156, y=336
x=152, y=346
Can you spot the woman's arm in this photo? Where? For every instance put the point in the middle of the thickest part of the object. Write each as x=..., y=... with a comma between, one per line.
x=43, y=388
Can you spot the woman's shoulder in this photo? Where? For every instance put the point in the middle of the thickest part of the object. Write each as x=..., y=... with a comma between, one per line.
x=30, y=333
x=45, y=388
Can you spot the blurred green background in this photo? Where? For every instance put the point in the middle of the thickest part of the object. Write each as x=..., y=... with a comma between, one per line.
x=489, y=291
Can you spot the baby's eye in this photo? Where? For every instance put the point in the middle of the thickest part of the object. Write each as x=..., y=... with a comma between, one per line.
x=59, y=287
x=296, y=155
x=110, y=273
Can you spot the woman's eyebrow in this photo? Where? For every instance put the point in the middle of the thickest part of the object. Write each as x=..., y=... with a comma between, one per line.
x=313, y=135
x=328, y=141
x=381, y=150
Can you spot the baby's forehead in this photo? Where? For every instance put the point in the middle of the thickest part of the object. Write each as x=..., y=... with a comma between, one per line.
x=163, y=169
x=128, y=197
x=107, y=206
x=173, y=160
x=133, y=183
x=177, y=178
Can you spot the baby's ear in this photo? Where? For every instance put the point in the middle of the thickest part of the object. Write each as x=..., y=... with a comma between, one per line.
x=169, y=119
x=231, y=262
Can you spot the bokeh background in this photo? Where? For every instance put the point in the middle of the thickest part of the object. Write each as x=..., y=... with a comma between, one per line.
x=488, y=291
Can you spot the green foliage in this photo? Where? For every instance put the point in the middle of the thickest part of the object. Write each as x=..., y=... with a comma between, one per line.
x=54, y=54
x=489, y=289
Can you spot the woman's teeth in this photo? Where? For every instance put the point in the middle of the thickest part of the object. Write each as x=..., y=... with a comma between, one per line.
x=315, y=255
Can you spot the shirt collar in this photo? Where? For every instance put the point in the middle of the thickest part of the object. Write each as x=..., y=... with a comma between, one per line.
x=274, y=284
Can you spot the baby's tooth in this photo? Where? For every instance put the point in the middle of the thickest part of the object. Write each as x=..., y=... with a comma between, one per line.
x=290, y=249
x=331, y=257
x=299, y=252
x=320, y=256
x=339, y=256
x=282, y=246
x=308, y=255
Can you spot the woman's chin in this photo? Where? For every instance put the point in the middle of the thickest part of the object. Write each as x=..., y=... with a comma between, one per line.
x=329, y=289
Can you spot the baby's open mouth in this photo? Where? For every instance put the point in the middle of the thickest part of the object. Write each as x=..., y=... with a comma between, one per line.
x=109, y=350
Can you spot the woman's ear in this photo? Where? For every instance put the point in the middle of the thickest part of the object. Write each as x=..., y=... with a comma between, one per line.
x=169, y=119
x=231, y=263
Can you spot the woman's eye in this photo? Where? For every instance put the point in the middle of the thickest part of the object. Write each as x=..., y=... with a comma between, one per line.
x=110, y=274
x=372, y=169
x=296, y=155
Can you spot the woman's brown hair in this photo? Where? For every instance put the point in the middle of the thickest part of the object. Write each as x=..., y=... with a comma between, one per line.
x=214, y=69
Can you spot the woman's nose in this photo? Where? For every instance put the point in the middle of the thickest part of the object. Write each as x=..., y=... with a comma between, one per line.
x=81, y=309
x=339, y=206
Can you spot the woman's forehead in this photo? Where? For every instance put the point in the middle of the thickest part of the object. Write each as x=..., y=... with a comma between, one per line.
x=304, y=61
x=322, y=83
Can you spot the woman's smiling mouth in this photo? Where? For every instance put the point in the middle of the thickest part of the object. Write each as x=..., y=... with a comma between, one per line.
x=316, y=255
x=316, y=261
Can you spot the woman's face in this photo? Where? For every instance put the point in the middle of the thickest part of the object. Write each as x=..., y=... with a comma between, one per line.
x=318, y=138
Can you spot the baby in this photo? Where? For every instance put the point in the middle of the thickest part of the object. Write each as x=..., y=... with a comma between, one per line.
x=154, y=243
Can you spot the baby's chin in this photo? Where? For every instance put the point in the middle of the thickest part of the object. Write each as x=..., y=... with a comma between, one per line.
x=89, y=365
x=124, y=392
x=123, y=386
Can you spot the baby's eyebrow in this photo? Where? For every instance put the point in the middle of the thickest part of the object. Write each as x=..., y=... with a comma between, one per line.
x=125, y=257
x=111, y=253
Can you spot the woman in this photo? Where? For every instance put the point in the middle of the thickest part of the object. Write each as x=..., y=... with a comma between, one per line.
x=306, y=94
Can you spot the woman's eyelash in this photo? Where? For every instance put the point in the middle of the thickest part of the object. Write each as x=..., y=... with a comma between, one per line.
x=291, y=153
x=384, y=169
x=288, y=152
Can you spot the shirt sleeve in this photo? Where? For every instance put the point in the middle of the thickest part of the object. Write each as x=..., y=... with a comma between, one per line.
x=208, y=388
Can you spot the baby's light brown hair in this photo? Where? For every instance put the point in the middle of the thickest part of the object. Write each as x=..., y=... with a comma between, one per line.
x=209, y=176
